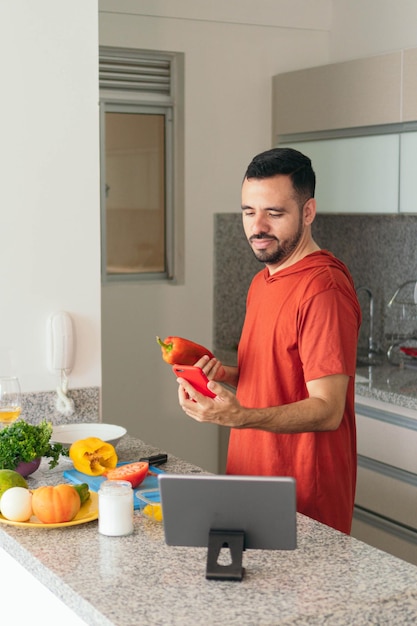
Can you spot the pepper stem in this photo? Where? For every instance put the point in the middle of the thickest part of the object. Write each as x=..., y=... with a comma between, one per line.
x=166, y=346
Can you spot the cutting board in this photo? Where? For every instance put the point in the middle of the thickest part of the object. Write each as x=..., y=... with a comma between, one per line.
x=94, y=482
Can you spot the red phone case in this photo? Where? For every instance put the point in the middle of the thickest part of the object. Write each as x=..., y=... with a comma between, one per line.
x=195, y=376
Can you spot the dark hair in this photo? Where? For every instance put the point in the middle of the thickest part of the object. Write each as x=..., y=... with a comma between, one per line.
x=285, y=161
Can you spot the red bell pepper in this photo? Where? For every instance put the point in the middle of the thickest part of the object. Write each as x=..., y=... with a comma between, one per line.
x=180, y=351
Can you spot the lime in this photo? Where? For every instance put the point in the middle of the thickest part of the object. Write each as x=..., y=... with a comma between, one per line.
x=10, y=478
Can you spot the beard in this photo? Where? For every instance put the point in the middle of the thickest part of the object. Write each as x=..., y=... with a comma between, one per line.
x=283, y=249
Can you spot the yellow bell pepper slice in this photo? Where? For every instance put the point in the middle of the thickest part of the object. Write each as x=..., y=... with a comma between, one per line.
x=154, y=511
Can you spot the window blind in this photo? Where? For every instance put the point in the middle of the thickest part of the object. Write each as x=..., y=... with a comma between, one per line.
x=130, y=70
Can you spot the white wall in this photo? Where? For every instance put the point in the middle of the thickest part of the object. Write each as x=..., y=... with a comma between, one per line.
x=229, y=62
x=362, y=28
x=49, y=253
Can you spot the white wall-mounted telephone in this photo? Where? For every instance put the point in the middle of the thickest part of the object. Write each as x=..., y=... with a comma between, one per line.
x=61, y=342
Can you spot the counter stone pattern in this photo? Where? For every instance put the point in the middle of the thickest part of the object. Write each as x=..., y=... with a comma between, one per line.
x=38, y=406
x=330, y=578
x=388, y=383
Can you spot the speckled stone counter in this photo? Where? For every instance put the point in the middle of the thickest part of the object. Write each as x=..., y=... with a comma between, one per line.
x=330, y=578
x=388, y=383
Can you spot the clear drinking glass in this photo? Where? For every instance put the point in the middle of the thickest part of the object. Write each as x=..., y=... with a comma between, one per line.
x=10, y=400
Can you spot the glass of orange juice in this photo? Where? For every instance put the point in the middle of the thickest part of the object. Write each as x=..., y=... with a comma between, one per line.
x=10, y=400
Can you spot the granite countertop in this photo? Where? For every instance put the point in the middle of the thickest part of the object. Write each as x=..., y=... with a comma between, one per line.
x=388, y=383
x=330, y=577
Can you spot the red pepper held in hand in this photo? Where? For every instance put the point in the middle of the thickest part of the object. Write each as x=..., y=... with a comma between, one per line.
x=180, y=351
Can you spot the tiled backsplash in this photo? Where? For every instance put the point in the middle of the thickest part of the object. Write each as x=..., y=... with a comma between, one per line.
x=42, y=406
x=379, y=250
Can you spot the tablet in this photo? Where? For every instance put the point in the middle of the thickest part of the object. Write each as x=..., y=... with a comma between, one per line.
x=263, y=508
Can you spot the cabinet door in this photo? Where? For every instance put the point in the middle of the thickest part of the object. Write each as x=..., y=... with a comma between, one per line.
x=350, y=94
x=384, y=493
x=408, y=171
x=355, y=174
x=391, y=439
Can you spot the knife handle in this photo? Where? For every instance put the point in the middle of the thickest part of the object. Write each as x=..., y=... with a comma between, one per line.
x=156, y=459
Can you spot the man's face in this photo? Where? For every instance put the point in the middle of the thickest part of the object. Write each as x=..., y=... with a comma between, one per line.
x=272, y=219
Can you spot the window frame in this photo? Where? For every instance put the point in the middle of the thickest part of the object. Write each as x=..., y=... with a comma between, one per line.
x=171, y=105
x=108, y=105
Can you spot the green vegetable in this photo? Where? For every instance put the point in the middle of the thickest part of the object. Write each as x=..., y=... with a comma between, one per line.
x=83, y=492
x=26, y=442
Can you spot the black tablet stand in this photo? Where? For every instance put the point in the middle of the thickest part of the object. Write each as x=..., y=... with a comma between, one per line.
x=232, y=539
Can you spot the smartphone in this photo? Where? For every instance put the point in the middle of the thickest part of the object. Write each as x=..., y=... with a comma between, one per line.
x=195, y=376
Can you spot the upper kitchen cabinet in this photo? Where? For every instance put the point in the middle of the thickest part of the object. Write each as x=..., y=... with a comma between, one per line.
x=410, y=85
x=357, y=121
x=408, y=160
x=363, y=92
x=408, y=150
x=355, y=174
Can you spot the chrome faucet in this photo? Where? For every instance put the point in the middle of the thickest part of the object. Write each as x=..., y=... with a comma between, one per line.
x=371, y=345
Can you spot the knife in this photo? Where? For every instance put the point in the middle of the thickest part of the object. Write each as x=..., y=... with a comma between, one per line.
x=155, y=459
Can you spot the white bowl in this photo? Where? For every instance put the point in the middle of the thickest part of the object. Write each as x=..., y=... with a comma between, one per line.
x=66, y=434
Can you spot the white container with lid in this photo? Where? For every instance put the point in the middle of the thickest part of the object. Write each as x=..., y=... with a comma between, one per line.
x=115, y=508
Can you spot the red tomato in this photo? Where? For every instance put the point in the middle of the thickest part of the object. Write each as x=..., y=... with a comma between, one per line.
x=135, y=473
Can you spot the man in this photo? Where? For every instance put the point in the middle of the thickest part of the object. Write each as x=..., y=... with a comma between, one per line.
x=293, y=411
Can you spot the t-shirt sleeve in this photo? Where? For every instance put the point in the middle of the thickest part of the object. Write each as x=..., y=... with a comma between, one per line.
x=328, y=331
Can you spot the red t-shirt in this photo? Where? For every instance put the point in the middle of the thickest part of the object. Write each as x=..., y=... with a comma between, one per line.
x=302, y=323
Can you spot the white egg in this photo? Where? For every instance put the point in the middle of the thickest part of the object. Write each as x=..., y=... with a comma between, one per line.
x=16, y=504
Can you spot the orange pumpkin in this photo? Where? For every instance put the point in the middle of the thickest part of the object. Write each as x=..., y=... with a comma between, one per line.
x=53, y=505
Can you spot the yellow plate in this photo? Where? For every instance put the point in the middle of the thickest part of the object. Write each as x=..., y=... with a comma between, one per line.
x=87, y=513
